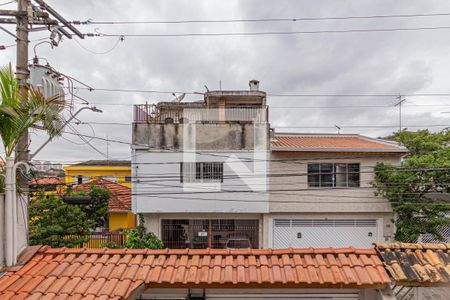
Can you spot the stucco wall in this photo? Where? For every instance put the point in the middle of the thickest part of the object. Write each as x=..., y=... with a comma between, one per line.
x=300, y=198
x=158, y=188
x=214, y=136
x=119, y=220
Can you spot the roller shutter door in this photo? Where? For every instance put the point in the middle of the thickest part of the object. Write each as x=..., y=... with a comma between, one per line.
x=319, y=233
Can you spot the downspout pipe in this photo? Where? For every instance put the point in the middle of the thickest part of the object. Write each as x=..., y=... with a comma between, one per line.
x=10, y=258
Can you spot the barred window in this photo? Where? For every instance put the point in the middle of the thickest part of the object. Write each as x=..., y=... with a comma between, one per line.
x=333, y=175
x=191, y=172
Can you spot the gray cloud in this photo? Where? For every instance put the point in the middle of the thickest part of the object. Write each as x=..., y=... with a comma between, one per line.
x=397, y=62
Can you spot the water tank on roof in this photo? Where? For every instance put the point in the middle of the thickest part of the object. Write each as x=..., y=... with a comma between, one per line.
x=46, y=80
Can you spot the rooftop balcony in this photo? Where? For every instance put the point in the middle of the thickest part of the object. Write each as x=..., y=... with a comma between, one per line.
x=198, y=112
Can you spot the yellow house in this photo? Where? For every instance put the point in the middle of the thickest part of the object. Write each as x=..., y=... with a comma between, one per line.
x=116, y=173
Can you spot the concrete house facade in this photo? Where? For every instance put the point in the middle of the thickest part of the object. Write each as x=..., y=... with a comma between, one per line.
x=200, y=169
x=321, y=192
x=212, y=174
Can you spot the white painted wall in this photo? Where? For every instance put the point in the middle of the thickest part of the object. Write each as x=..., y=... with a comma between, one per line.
x=159, y=189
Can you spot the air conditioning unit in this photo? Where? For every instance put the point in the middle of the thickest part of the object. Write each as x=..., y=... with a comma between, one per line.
x=46, y=81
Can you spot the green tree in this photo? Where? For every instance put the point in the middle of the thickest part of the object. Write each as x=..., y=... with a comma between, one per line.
x=97, y=211
x=425, y=170
x=139, y=238
x=55, y=223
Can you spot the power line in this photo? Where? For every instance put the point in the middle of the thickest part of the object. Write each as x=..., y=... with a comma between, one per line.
x=256, y=20
x=304, y=127
x=9, y=2
x=261, y=33
x=304, y=107
x=386, y=95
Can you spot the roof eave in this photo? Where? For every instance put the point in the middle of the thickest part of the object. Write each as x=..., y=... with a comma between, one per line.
x=368, y=150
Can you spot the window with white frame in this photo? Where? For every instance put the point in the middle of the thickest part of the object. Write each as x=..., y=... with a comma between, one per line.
x=333, y=175
x=191, y=172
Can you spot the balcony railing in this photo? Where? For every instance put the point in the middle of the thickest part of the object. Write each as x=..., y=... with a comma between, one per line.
x=151, y=113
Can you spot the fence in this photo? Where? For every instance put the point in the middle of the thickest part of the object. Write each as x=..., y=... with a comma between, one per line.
x=98, y=239
x=150, y=113
x=209, y=233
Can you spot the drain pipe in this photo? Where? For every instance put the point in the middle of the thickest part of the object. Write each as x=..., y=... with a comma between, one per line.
x=9, y=209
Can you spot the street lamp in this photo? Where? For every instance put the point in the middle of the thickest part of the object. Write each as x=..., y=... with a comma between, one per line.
x=93, y=108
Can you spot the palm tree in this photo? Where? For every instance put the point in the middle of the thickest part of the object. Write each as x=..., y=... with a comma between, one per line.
x=19, y=111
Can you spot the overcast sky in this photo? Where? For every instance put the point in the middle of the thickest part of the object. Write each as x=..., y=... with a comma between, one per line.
x=402, y=62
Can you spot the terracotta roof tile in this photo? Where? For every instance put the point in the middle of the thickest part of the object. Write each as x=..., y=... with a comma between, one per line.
x=83, y=274
x=120, y=195
x=332, y=143
x=417, y=264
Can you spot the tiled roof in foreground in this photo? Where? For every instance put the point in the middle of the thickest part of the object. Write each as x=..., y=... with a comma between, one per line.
x=121, y=273
x=332, y=143
x=417, y=264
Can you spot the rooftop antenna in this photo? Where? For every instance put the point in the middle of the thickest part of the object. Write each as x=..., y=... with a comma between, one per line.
x=206, y=88
x=178, y=98
x=220, y=85
x=338, y=128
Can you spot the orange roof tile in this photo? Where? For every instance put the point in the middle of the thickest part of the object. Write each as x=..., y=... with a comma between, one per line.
x=332, y=143
x=120, y=195
x=417, y=264
x=47, y=181
x=82, y=273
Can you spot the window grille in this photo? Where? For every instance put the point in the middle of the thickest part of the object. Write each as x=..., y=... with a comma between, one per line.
x=191, y=172
x=333, y=175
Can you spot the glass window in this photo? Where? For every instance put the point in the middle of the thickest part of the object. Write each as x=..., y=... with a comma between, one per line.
x=337, y=175
x=353, y=175
x=201, y=172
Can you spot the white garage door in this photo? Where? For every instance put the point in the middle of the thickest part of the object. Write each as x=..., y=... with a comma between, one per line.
x=338, y=233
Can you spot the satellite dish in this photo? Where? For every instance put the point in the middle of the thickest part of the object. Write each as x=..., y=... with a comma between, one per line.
x=178, y=98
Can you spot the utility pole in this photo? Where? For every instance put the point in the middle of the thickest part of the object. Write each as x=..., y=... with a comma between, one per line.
x=22, y=72
x=24, y=17
x=399, y=104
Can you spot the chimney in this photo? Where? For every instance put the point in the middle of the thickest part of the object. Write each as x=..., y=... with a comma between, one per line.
x=254, y=85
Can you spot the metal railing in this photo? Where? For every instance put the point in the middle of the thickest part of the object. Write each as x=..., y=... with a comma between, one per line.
x=151, y=113
x=98, y=239
x=210, y=233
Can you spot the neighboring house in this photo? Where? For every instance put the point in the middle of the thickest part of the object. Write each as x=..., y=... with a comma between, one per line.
x=118, y=171
x=420, y=270
x=50, y=185
x=120, y=215
x=185, y=155
x=321, y=191
x=213, y=174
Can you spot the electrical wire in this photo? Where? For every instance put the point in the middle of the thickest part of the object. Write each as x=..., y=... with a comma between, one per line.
x=386, y=95
x=82, y=137
x=9, y=2
x=267, y=33
x=120, y=39
x=420, y=15
x=306, y=127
